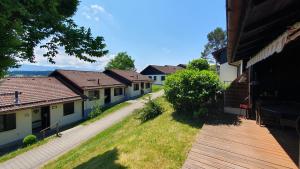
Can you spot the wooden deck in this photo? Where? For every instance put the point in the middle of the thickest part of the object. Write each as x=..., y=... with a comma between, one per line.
x=243, y=146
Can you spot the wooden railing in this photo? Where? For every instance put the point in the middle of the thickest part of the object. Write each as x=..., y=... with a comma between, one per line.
x=57, y=133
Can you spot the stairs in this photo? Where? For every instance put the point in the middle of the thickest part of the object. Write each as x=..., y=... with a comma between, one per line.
x=236, y=93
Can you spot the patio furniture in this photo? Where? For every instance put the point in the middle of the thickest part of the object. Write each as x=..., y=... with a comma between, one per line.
x=279, y=114
x=246, y=108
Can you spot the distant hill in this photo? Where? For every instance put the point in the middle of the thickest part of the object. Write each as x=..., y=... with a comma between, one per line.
x=28, y=73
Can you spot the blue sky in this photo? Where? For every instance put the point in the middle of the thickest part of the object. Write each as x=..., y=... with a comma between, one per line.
x=151, y=31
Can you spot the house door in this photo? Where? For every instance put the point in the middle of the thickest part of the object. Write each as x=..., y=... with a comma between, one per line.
x=142, y=87
x=107, y=95
x=45, y=113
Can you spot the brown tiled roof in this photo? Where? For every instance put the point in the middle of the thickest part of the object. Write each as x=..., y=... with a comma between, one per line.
x=167, y=69
x=130, y=75
x=89, y=79
x=35, y=91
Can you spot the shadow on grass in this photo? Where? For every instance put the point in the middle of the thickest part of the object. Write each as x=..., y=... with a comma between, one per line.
x=188, y=119
x=211, y=119
x=220, y=118
x=106, y=160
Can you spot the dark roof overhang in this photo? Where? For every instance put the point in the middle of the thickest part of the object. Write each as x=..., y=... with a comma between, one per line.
x=253, y=24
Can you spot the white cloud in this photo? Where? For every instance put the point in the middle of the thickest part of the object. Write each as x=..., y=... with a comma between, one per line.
x=63, y=60
x=95, y=12
x=97, y=8
x=86, y=15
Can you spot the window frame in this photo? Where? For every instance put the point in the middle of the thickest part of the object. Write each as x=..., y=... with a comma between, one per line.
x=154, y=78
x=117, y=91
x=95, y=96
x=68, y=104
x=136, y=86
x=148, y=85
x=163, y=78
x=150, y=77
x=7, y=122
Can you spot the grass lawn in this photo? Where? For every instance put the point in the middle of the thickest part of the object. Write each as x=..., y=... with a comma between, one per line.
x=156, y=88
x=159, y=143
x=23, y=150
x=107, y=111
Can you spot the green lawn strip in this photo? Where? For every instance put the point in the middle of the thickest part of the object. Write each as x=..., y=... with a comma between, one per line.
x=107, y=111
x=23, y=150
x=159, y=143
x=156, y=88
x=39, y=143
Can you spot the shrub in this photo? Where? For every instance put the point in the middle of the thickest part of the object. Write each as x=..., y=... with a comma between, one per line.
x=200, y=113
x=151, y=110
x=96, y=111
x=29, y=140
x=189, y=90
x=198, y=64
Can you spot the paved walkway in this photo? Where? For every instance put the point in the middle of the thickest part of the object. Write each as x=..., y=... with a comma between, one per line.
x=243, y=146
x=71, y=138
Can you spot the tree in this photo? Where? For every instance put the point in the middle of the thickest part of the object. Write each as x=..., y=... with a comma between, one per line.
x=217, y=39
x=25, y=24
x=122, y=61
x=198, y=64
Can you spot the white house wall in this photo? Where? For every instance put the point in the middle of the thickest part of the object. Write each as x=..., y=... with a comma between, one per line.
x=115, y=99
x=88, y=105
x=228, y=73
x=132, y=93
x=158, y=80
x=23, y=127
x=57, y=114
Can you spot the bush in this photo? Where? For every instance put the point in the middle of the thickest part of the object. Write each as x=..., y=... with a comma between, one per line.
x=200, y=113
x=189, y=90
x=151, y=110
x=96, y=111
x=198, y=64
x=29, y=140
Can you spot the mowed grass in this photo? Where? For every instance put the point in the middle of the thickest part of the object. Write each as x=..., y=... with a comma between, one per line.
x=19, y=151
x=156, y=88
x=159, y=143
x=107, y=111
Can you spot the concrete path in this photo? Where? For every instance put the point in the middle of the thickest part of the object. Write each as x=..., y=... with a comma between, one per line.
x=71, y=138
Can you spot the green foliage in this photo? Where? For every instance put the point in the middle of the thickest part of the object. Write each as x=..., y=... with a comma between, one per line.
x=25, y=25
x=151, y=110
x=96, y=111
x=198, y=64
x=213, y=68
x=203, y=111
x=189, y=90
x=29, y=140
x=122, y=61
x=217, y=39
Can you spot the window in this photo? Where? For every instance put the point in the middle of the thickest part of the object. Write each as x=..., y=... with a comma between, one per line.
x=147, y=85
x=150, y=77
x=118, y=91
x=68, y=108
x=7, y=122
x=136, y=87
x=93, y=95
x=163, y=78
x=154, y=77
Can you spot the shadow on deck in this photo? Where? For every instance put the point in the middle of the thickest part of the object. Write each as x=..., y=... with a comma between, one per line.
x=238, y=143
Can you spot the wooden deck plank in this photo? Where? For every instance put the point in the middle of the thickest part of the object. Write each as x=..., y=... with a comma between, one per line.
x=244, y=146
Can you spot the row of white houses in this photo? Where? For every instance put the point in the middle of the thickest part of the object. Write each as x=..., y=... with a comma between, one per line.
x=30, y=104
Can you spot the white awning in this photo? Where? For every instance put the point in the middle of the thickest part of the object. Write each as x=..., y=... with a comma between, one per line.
x=277, y=45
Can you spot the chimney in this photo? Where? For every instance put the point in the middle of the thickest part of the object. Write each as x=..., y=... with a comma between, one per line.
x=17, y=102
